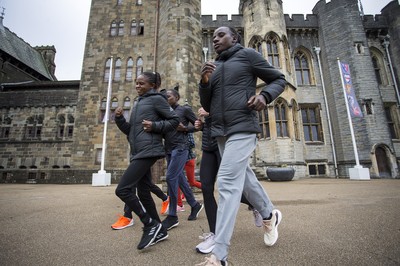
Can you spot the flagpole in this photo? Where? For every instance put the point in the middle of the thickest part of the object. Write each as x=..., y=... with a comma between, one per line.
x=358, y=172
x=349, y=116
x=106, y=117
x=102, y=178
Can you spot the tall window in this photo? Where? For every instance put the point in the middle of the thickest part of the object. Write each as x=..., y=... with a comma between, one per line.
x=133, y=27
x=281, y=119
x=103, y=107
x=114, y=105
x=141, y=27
x=127, y=105
x=295, y=121
x=264, y=124
x=139, y=66
x=119, y=2
x=273, y=52
x=139, y=2
x=129, y=69
x=121, y=26
x=377, y=69
x=117, y=71
x=33, y=128
x=302, y=67
x=393, y=121
x=107, y=70
x=5, y=123
x=113, y=29
x=311, y=123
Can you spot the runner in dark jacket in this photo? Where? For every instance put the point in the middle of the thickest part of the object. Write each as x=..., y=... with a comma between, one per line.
x=150, y=118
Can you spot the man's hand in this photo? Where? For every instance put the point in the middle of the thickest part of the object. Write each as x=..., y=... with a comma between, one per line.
x=257, y=102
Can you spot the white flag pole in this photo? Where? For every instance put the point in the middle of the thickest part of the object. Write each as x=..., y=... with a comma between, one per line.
x=358, y=172
x=349, y=116
x=106, y=117
x=102, y=178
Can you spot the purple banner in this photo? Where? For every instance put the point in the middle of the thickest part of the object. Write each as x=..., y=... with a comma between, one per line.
x=355, y=110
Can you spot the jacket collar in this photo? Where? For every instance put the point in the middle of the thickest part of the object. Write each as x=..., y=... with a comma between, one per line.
x=225, y=55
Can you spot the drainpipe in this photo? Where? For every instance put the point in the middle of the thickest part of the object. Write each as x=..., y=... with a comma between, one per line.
x=317, y=50
x=156, y=35
x=386, y=45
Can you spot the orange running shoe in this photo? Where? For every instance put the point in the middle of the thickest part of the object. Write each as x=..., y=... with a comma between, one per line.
x=164, y=207
x=123, y=222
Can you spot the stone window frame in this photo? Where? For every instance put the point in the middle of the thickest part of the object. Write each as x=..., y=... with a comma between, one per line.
x=272, y=41
x=257, y=43
x=310, y=124
x=129, y=69
x=139, y=66
x=33, y=127
x=378, y=62
x=107, y=68
x=113, y=28
x=392, y=117
x=134, y=27
x=117, y=69
x=281, y=112
x=263, y=121
x=121, y=28
x=303, y=55
x=5, y=127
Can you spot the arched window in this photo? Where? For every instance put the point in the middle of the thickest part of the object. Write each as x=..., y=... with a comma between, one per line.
x=302, y=67
x=33, y=128
x=121, y=26
x=117, y=71
x=377, y=69
x=141, y=27
x=139, y=2
x=127, y=105
x=273, y=51
x=129, y=69
x=107, y=69
x=139, y=66
x=256, y=44
x=379, y=66
x=133, y=27
x=103, y=107
x=114, y=105
x=119, y=2
x=113, y=29
x=264, y=124
x=295, y=121
x=65, y=126
x=281, y=119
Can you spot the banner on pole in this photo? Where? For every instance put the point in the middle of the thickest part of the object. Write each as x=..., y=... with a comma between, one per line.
x=354, y=107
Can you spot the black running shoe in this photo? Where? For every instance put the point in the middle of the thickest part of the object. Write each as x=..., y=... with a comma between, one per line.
x=170, y=222
x=149, y=234
x=195, y=211
x=162, y=235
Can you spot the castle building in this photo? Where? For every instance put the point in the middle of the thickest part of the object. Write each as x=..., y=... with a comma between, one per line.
x=306, y=128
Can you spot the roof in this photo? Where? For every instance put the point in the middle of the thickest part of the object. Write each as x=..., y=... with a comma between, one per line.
x=22, y=51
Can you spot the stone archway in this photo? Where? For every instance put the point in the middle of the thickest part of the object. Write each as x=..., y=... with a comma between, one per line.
x=383, y=163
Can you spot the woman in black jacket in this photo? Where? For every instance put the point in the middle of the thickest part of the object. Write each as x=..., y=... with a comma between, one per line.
x=150, y=118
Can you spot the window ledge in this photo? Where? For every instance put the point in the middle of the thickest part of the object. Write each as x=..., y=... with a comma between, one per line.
x=314, y=143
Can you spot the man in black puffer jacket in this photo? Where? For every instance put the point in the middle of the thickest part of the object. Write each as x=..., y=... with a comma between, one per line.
x=228, y=92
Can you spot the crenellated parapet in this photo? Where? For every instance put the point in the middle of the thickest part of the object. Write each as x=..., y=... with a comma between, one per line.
x=207, y=21
x=298, y=21
x=375, y=22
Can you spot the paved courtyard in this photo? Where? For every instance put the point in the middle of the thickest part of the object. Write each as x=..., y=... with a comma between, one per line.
x=325, y=222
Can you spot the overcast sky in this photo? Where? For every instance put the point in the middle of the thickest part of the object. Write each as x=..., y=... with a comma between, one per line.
x=63, y=23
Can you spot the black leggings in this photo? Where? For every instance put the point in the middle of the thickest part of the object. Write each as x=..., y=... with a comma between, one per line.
x=138, y=175
x=209, y=166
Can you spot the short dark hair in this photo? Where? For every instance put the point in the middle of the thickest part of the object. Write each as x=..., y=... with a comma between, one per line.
x=236, y=34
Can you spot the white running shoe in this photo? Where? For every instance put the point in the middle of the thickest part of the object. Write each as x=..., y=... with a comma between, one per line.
x=207, y=245
x=271, y=228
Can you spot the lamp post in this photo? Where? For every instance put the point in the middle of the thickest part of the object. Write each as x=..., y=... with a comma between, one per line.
x=317, y=50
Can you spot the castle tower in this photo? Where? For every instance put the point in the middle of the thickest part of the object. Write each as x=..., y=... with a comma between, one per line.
x=347, y=34
x=154, y=35
x=180, y=50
